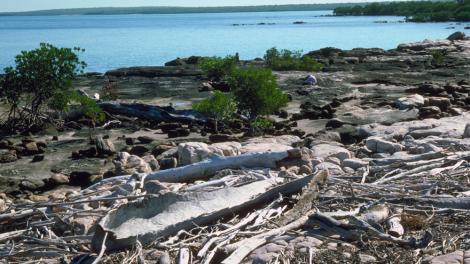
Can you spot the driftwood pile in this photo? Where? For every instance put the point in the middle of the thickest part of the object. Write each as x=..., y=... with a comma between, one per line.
x=262, y=207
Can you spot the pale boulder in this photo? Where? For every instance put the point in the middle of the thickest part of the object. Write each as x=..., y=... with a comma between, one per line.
x=129, y=164
x=193, y=152
x=456, y=257
x=411, y=101
x=327, y=150
x=355, y=163
x=380, y=145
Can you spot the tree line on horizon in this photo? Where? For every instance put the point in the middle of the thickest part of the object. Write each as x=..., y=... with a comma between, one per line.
x=177, y=10
x=414, y=11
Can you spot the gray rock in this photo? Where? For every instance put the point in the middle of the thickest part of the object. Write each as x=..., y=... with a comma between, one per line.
x=456, y=36
x=30, y=148
x=139, y=151
x=304, y=169
x=411, y=101
x=326, y=150
x=8, y=156
x=451, y=258
x=466, y=132
x=105, y=146
x=430, y=112
x=145, y=139
x=32, y=184
x=59, y=179
x=354, y=163
x=155, y=187
x=442, y=102
x=379, y=145
x=367, y=258
x=152, y=162
x=168, y=163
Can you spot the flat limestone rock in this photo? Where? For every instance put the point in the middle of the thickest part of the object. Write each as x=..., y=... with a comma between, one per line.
x=326, y=150
x=456, y=257
x=451, y=127
x=169, y=213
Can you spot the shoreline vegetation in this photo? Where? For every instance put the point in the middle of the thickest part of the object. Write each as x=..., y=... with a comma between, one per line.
x=177, y=10
x=415, y=11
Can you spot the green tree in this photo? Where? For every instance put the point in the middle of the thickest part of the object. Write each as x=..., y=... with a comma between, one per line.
x=287, y=60
x=90, y=109
x=41, y=80
x=256, y=92
x=219, y=106
x=217, y=68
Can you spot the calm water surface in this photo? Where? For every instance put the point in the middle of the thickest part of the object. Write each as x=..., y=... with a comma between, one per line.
x=130, y=40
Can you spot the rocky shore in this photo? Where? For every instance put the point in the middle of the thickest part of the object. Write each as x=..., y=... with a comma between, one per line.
x=373, y=159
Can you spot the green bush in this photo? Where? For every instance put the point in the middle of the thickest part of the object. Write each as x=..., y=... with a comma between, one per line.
x=41, y=80
x=90, y=108
x=217, y=68
x=219, y=106
x=261, y=123
x=256, y=92
x=438, y=57
x=286, y=60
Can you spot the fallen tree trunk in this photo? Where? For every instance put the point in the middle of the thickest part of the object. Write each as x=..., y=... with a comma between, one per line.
x=147, y=220
x=152, y=113
x=205, y=169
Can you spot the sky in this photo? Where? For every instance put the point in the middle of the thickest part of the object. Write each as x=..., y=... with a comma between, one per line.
x=28, y=5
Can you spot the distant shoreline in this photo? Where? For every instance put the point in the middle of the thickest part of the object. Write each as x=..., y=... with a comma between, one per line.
x=179, y=10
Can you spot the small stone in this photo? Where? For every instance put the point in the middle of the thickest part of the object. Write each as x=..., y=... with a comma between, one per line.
x=139, y=150
x=31, y=149
x=158, y=150
x=84, y=225
x=304, y=169
x=145, y=139
x=38, y=158
x=354, y=163
x=3, y=205
x=430, y=112
x=466, y=133
x=152, y=162
x=168, y=163
x=7, y=157
x=218, y=138
x=329, y=150
x=32, y=184
x=155, y=187
x=55, y=138
x=379, y=145
x=334, y=123
x=367, y=258
x=5, y=144
x=130, y=141
x=411, y=101
x=59, y=179
x=332, y=246
x=41, y=144
x=179, y=132
x=333, y=160
x=105, y=146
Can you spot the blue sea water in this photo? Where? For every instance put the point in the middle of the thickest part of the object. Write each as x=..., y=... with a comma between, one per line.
x=113, y=41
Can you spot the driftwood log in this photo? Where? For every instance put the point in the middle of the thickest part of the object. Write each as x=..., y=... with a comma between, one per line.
x=152, y=113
